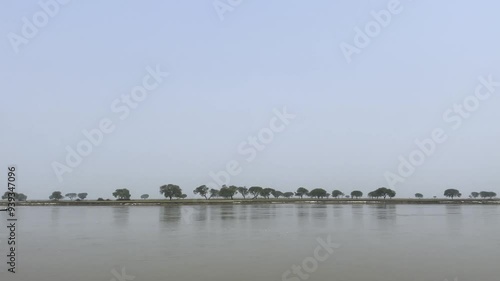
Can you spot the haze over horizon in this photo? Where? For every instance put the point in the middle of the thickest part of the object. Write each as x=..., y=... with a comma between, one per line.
x=229, y=79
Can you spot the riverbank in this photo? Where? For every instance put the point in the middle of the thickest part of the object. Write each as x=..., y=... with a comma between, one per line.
x=166, y=202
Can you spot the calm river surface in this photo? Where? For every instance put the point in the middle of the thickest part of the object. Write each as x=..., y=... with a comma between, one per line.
x=256, y=242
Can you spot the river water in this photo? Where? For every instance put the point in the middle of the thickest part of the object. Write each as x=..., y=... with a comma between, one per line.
x=256, y=242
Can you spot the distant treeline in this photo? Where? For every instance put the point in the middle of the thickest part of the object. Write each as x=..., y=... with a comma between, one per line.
x=172, y=191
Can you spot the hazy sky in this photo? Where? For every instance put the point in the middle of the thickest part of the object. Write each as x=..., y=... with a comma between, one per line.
x=226, y=78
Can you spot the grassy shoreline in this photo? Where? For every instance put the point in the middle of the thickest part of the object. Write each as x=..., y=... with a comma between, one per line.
x=166, y=202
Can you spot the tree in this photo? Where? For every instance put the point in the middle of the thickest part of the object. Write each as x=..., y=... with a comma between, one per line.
x=170, y=191
x=228, y=192
x=255, y=191
x=214, y=193
x=487, y=194
x=391, y=193
x=484, y=194
x=15, y=195
x=318, y=192
x=82, y=196
x=382, y=192
x=122, y=194
x=202, y=190
x=357, y=194
x=71, y=196
x=145, y=196
x=452, y=193
x=233, y=189
x=243, y=191
x=183, y=196
x=21, y=197
x=266, y=192
x=474, y=194
x=419, y=195
x=288, y=194
x=337, y=194
x=56, y=195
x=301, y=191
x=276, y=193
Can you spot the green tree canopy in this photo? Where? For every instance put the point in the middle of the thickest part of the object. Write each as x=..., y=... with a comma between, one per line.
x=266, y=192
x=391, y=193
x=214, y=193
x=170, y=191
x=17, y=196
x=301, y=191
x=202, y=190
x=419, y=195
x=21, y=197
x=228, y=191
x=357, y=194
x=452, y=193
x=255, y=191
x=318, y=193
x=122, y=194
x=145, y=196
x=56, y=195
x=337, y=194
x=276, y=193
x=474, y=194
x=82, y=196
x=288, y=194
x=71, y=196
x=487, y=194
x=243, y=191
x=382, y=192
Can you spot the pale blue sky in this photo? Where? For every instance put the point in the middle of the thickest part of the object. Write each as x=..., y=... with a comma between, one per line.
x=226, y=77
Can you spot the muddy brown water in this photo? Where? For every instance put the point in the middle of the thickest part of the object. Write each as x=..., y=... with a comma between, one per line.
x=255, y=242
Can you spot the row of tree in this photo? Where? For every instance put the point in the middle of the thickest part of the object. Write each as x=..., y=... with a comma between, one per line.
x=174, y=191
x=256, y=191
x=452, y=193
x=483, y=194
x=57, y=195
x=228, y=192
